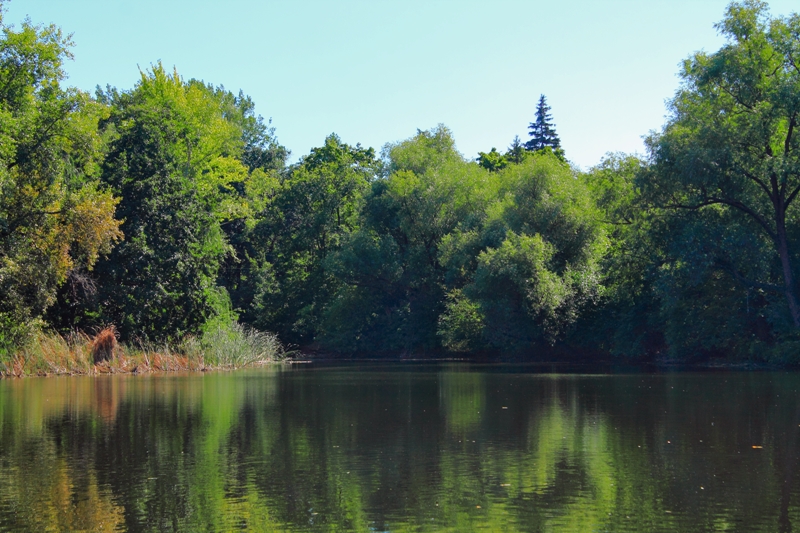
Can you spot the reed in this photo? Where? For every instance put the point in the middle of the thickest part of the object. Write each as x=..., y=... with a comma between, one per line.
x=49, y=353
x=235, y=346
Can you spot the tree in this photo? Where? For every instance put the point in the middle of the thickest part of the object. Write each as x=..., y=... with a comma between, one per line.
x=729, y=157
x=55, y=216
x=311, y=211
x=261, y=147
x=522, y=275
x=543, y=131
x=516, y=151
x=492, y=160
x=174, y=159
x=265, y=160
x=392, y=280
x=627, y=320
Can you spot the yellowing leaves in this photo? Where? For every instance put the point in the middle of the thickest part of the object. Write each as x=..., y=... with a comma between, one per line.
x=215, y=184
x=90, y=227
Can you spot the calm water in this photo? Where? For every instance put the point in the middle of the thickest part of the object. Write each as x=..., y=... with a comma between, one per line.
x=401, y=448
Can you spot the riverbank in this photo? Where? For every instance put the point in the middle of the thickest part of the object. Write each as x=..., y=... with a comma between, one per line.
x=560, y=357
x=234, y=347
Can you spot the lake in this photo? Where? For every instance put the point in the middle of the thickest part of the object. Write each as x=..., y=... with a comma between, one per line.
x=402, y=447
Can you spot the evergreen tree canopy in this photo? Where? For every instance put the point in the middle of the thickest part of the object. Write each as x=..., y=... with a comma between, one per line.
x=543, y=131
x=516, y=151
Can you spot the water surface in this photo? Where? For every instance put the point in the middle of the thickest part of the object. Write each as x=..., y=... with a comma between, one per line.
x=437, y=447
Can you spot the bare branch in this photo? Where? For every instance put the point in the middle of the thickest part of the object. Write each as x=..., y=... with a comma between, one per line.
x=792, y=61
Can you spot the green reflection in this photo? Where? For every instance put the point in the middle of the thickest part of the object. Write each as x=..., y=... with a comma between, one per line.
x=400, y=449
x=463, y=397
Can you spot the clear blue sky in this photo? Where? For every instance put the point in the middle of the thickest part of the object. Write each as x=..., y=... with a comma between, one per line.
x=374, y=71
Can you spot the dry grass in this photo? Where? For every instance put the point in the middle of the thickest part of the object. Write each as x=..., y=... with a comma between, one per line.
x=104, y=345
x=78, y=353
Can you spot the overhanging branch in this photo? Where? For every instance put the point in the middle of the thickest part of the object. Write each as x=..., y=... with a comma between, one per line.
x=733, y=203
x=760, y=183
x=791, y=197
x=727, y=267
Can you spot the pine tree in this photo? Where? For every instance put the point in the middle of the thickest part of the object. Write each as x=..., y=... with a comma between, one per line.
x=516, y=152
x=543, y=131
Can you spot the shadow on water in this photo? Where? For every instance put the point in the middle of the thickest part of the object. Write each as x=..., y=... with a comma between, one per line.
x=400, y=447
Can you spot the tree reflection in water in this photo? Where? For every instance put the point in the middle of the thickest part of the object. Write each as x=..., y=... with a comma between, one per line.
x=401, y=447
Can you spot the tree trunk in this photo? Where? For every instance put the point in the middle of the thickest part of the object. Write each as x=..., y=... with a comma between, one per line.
x=788, y=278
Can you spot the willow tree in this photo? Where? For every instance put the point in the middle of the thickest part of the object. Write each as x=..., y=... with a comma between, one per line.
x=729, y=156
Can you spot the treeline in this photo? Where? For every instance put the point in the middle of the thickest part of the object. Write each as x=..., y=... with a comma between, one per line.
x=171, y=208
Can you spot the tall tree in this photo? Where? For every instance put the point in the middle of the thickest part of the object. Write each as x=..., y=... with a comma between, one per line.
x=729, y=157
x=174, y=160
x=313, y=208
x=628, y=321
x=392, y=288
x=521, y=276
x=55, y=217
x=543, y=131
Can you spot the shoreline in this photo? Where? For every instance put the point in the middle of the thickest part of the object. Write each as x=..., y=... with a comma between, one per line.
x=133, y=367
x=51, y=354
x=175, y=366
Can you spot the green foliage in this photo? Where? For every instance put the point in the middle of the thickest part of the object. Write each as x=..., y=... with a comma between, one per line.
x=428, y=192
x=55, y=218
x=516, y=152
x=514, y=285
x=530, y=267
x=627, y=321
x=233, y=345
x=726, y=171
x=690, y=253
x=191, y=166
x=493, y=160
x=450, y=254
x=312, y=210
x=174, y=160
x=461, y=325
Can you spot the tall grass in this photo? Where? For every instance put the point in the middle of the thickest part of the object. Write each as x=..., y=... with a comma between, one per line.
x=234, y=346
x=51, y=354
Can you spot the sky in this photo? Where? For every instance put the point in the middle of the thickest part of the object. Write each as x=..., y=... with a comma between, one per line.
x=376, y=71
